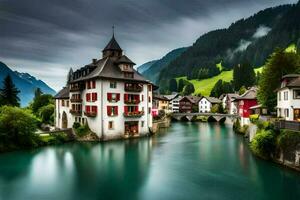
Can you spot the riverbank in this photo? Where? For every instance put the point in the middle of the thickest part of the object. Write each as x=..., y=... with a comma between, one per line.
x=280, y=146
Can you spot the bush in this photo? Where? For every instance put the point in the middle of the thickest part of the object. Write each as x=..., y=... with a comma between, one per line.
x=263, y=125
x=237, y=125
x=264, y=143
x=17, y=127
x=254, y=118
x=82, y=130
x=76, y=125
x=288, y=139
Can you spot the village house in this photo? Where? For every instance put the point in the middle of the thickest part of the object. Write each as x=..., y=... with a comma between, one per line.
x=288, y=98
x=173, y=102
x=160, y=103
x=228, y=102
x=188, y=104
x=108, y=95
x=244, y=103
x=206, y=103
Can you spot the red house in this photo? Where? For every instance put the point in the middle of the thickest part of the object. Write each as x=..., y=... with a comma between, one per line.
x=244, y=103
x=187, y=103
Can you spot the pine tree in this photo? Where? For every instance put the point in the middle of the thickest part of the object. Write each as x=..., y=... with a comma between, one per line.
x=9, y=93
x=37, y=93
x=173, y=85
x=189, y=89
x=180, y=85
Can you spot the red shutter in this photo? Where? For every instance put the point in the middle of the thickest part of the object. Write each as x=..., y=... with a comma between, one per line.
x=126, y=97
x=136, y=108
x=88, y=97
x=142, y=97
x=118, y=97
x=94, y=109
x=94, y=84
x=109, y=96
x=108, y=110
x=116, y=110
x=125, y=109
x=96, y=96
x=87, y=109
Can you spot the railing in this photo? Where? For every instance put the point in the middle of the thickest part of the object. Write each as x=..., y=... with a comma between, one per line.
x=134, y=101
x=76, y=100
x=134, y=88
x=75, y=112
x=291, y=125
x=90, y=114
x=134, y=114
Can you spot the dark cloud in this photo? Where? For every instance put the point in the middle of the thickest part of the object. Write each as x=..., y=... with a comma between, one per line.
x=54, y=35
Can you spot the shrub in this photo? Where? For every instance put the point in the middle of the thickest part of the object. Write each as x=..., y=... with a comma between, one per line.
x=254, y=118
x=237, y=125
x=46, y=113
x=17, y=127
x=82, y=130
x=263, y=143
x=288, y=139
x=76, y=125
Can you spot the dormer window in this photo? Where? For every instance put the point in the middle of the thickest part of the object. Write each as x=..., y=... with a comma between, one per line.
x=128, y=74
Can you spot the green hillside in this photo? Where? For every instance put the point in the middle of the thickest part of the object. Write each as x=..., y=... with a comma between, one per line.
x=206, y=85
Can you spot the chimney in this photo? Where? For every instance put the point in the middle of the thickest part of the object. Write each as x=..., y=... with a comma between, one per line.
x=94, y=60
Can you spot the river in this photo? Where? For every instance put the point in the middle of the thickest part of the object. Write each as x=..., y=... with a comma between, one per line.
x=187, y=161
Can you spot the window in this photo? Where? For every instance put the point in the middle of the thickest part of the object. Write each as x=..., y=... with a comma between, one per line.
x=285, y=96
x=142, y=123
x=110, y=125
x=93, y=84
x=142, y=97
x=67, y=103
x=88, y=97
x=149, y=110
x=296, y=94
x=286, y=112
x=113, y=84
x=112, y=110
x=88, y=85
x=149, y=99
x=149, y=88
x=94, y=97
x=128, y=75
x=279, y=96
x=113, y=97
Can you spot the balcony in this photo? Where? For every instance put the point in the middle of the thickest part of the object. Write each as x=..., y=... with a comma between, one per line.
x=133, y=88
x=90, y=114
x=76, y=100
x=132, y=101
x=134, y=114
x=75, y=112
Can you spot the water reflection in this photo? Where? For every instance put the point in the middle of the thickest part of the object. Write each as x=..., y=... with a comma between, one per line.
x=186, y=161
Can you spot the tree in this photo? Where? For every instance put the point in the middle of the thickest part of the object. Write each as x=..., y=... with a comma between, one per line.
x=279, y=64
x=46, y=113
x=37, y=93
x=180, y=85
x=9, y=93
x=243, y=75
x=17, y=127
x=39, y=102
x=189, y=89
x=221, y=87
x=173, y=85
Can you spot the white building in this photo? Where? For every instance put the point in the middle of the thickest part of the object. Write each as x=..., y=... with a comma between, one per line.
x=229, y=104
x=288, y=98
x=108, y=95
x=173, y=102
x=206, y=103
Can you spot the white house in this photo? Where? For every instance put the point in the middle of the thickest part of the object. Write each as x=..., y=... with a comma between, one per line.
x=173, y=102
x=206, y=103
x=108, y=95
x=288, y=98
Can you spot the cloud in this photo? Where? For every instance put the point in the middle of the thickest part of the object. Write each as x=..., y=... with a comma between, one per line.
x=54, y=35
x=261, y=31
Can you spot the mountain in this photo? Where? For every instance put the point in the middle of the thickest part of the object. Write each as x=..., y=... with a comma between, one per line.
x=145, y=66
x=152, y=73
x=252, y=39
x=25, y=83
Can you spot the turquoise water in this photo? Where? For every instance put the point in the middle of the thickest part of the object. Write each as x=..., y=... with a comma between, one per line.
x=187, y=161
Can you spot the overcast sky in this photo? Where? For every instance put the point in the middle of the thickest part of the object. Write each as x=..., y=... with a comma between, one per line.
x=47, y=37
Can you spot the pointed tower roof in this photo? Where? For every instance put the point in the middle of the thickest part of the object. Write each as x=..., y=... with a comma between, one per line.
x=125, y=59
x=113, y=45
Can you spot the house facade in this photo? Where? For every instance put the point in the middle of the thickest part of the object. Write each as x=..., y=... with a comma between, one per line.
x=188, y=104
x=160, y=103
x=109, y=96
x=244, y=103
x=206, y=103
x=229, y=104
x=288, y=98
x=173, y=102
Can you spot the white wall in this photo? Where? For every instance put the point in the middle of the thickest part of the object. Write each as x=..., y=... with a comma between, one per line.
x=289, y=104
x=204, y=105
x=59, y=109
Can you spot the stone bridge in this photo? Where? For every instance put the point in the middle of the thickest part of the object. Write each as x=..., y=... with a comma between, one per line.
x=217, y=116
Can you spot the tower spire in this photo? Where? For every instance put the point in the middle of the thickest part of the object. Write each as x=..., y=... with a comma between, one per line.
x=113, y=30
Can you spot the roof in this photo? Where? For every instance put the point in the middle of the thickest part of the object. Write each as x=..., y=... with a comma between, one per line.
x=257, y=106
x=63, y=94
x=125, y=59
x=192, y=99
x=249, y=94
x=171, y=96
x=160, y=97
x=112, y=45
x=233, y=95
x=212, y=99
x=290, y=76
x=294, y=83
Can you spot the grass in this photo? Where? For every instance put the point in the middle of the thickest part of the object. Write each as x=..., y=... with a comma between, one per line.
x=205, y=86
x=291, y=49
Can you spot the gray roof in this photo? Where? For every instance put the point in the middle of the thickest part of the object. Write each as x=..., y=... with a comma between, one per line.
x=192, y=99
x=249, y=94
x=294, y=83
x=63, y=94
x=171, y=96
x=291, y=76
x=160, y=97
x=233, y=95
x=112, y=45
x=125, y=59
x=212, y=99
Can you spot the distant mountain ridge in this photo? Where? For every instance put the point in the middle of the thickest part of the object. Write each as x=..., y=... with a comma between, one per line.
x=26, y=83
x=252, y=39
x=152, y=69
